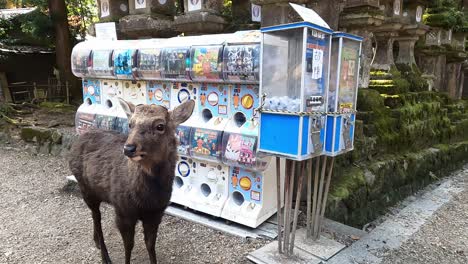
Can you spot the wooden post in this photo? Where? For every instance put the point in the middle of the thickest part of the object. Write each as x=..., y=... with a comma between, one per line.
x=67, y=89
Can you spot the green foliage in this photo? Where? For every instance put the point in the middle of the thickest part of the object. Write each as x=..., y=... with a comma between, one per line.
x=446, y=14
x=81, y=14
x=3, y=4
x=33, y=28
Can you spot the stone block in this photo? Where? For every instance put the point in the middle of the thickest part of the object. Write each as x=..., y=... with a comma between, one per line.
x=156, y=7
x=194, y=23
x=140, y=26
x=112, y=10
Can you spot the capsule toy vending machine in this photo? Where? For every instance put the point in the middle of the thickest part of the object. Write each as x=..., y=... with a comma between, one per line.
x=294, y=82
x=342, y=96
x=80, y=64
x=252, y=179
x=210, y=186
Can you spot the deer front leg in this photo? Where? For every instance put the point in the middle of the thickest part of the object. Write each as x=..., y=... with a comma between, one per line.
x=126, y=227
x=98, y=236
x=150, y=230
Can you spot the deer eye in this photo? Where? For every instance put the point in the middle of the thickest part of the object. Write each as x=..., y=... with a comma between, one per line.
x=160, y=127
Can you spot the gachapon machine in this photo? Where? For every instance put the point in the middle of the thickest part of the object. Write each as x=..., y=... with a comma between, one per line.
x=241, y=62
x=102, y=64
x=206, y=63
x=342, y=96
x=148, y=64
x=176, y=63
x=294, y=83
x=81, y=60
x=124, y=62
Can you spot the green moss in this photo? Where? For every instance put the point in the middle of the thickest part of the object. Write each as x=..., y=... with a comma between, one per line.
x=343, y=187
x=57, y=107
x=30, y=134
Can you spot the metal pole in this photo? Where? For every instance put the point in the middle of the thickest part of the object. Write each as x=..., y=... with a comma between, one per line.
x=278, y=201
x=317, y=216
x=302, y=165
x=309, y=197
x=286, y=206
x=314, y=204
x=327, y=187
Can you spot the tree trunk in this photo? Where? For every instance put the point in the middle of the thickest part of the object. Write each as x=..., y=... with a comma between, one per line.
x=58, y=15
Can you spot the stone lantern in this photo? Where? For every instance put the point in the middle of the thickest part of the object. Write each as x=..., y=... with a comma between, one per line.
x=201, y=17
x=112, y=10
x=155, y=7
x=279, y=11
x=149, y=18
x=386, y=33
x=411, y=31
x=359, y=17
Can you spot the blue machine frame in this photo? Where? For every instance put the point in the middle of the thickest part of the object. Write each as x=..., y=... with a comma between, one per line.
x=340, y=124
x=305, y=127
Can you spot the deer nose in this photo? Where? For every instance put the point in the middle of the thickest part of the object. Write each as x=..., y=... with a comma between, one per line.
x=129, y=150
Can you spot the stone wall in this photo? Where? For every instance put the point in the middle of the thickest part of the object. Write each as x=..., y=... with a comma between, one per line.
x=403, y=142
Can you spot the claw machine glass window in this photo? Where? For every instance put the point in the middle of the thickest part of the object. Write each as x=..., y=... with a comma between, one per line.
x=294, y=82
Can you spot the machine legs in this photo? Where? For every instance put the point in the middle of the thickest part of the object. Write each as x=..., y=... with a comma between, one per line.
x=316, y=199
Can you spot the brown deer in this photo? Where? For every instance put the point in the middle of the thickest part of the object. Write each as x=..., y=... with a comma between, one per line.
x=133, y=173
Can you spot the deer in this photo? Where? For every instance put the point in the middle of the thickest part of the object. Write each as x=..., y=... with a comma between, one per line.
x=134, y=173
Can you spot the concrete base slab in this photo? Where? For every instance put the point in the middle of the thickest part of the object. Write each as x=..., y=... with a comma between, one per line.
x=265, y=230
x=323, y=248
x=269, y=255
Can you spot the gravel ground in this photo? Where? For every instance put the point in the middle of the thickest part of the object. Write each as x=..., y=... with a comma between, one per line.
x=444, y=238
x=40, y=222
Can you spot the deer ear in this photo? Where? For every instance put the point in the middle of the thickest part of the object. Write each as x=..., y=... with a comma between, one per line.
x=128, y=107
x=182, y=112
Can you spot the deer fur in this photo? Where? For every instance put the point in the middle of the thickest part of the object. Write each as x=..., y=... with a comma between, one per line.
x=133, y=173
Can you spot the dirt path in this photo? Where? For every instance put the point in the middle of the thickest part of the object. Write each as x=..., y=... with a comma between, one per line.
x=442, y=239
x=41, y=223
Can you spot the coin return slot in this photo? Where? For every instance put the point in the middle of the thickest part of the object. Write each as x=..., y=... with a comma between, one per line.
x=238, y=198
x=109, y=103
x=207, y=115
x=240, y=119
x=205, y=189
x=178, y=181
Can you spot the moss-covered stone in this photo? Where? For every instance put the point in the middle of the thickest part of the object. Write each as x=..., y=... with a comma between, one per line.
x=40, y=136
x=360, y=194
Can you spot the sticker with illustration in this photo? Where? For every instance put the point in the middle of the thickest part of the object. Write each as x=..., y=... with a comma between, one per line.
x=92, y=91
x=247, y=183
x=158, y=93
x=215, y=98
x=240, y=149
x=244, y=98
x=183, y=135
x=206, y=143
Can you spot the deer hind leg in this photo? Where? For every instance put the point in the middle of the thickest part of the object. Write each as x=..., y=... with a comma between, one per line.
x=150, y=230
x=98, y=235
x=126, y=227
